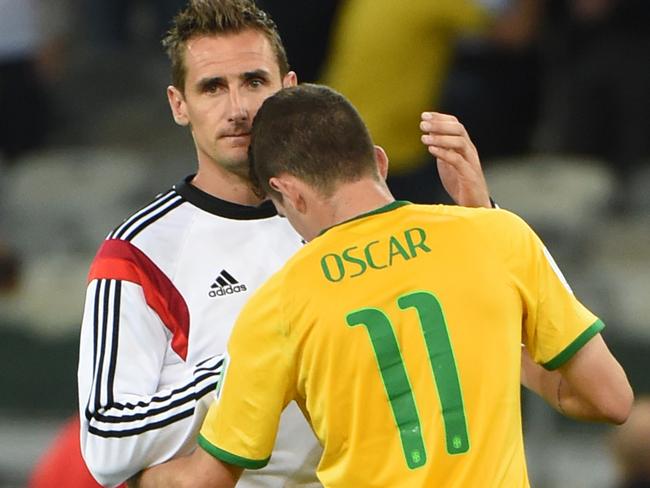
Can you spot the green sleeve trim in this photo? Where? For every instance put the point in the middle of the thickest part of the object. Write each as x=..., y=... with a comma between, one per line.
x=575, y=346
x=229, y=458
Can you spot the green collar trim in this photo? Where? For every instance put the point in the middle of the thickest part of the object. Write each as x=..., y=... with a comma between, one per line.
x=386, y=208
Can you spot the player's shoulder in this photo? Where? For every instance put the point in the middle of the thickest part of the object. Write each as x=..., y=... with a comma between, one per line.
x=146, y=238
x=501, y=220
x=471, y=215
x=153, y=217
x=296, y=273
x=152, y=234
x=266, y=301
x=493, y=216
x=491, y=226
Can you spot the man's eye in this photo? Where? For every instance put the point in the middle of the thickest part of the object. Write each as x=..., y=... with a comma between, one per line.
x=256, y=82
x=211, y=87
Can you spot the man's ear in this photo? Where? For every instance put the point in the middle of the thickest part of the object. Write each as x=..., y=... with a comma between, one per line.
x=292, y=191
x=382, y=161
x=178, y=105
x=290, y=79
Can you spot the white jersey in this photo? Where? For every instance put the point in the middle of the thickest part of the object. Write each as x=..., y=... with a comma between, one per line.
x=164, y=291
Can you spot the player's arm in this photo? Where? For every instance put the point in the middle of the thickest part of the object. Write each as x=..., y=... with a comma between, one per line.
x=242, y=423
x=457, y=158
x=199, y=470
x=128, y=421
x=590, y=386
x=565, y=360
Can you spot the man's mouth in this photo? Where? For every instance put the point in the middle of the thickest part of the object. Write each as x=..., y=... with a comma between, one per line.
x=237, y=139
x=237, y=134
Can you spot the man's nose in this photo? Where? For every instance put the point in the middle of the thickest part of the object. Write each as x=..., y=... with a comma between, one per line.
x=238, y=109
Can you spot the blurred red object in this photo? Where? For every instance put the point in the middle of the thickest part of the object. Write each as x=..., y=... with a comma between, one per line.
x=62, y=464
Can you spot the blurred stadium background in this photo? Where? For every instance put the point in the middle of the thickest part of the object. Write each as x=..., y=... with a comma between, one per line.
x=108, y=144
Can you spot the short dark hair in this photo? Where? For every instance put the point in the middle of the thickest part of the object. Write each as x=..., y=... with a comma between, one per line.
x=311, y=132
x=218, y=17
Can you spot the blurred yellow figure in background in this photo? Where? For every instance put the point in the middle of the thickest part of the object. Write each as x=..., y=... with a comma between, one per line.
x=390, y=60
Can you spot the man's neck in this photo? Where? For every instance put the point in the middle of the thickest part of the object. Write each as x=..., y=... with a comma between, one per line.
x=354, y=199
x=225, y=185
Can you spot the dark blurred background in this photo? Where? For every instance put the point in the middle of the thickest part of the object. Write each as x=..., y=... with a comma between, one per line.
x=554, y=93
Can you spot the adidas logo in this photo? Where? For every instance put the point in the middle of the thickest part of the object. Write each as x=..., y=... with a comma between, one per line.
x=224, y=285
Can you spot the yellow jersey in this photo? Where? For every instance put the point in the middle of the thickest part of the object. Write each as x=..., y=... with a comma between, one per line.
x=399, y=334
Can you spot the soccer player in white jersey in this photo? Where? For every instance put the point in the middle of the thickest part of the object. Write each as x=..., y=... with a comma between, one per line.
x=167, y=284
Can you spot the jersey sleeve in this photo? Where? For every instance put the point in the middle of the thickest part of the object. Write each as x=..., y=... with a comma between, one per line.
x=257, y=384
x=128, y=420
x=556, y=325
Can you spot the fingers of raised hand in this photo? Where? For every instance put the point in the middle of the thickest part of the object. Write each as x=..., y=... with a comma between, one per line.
x=443, y=127
x=457, y=143
x=438, y=116
x=448, y=156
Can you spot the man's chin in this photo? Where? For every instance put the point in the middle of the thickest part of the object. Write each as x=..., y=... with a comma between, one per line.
x=234, y=162
x=236, y=149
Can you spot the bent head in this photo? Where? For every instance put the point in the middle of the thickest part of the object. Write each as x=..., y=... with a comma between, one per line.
x=227, y=58
x=313, y=133
x=308, y=140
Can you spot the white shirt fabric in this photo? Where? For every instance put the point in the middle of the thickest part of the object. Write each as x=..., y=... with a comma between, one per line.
x=164, y=291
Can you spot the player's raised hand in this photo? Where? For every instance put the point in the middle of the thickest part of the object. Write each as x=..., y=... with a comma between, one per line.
x=457, y=158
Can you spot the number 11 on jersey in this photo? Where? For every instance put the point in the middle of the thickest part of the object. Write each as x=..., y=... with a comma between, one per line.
x=396, y=380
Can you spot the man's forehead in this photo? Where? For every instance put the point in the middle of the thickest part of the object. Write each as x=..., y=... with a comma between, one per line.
x=231, y=54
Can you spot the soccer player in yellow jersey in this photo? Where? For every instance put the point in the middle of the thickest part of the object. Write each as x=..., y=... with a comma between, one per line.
x=398, y=328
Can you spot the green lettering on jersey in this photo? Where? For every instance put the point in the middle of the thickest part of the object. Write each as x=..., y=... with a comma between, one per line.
x=338, y=262
x=443, y=366
x=396, y=249
x=353, y=262
x=347, y=256
x=413, y=244
x=396, y=381
x=368, y=254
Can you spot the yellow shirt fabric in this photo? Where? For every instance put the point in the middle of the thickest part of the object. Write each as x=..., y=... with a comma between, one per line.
x=399, y=335
x=390, y=60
